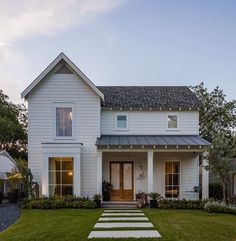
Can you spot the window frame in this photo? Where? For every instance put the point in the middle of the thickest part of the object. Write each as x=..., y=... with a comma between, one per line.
x=116, y=122
x=60, y=171
x=167, y=116
x=180, y=179
x=63, y=105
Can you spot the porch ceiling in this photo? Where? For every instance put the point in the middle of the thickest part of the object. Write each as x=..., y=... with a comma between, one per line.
x=151, y=141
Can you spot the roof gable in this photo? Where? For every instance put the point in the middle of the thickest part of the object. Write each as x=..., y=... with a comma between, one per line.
x=72, y=66
x=6, y=154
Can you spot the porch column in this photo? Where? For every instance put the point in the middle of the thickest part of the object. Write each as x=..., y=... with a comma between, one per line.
x=205, y=180
x=150, y=171
x=99, y=172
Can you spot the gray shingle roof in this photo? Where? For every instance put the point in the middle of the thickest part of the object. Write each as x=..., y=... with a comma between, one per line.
x=149, y=96
x=150, y=140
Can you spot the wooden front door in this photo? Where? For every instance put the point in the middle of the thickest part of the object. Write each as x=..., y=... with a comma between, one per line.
x=121, y=177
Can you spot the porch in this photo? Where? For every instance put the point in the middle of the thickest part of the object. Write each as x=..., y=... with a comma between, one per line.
x=171, y=170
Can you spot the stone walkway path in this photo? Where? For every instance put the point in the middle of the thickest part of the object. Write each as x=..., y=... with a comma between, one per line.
x=9, y=213
x=123, y=223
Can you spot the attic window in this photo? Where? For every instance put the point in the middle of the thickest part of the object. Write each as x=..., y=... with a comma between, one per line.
x=63, y=70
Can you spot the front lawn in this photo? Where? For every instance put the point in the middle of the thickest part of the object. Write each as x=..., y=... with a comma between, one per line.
x=76, y=224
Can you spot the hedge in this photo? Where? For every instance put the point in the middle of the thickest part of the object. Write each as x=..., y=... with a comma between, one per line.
x=57, y=202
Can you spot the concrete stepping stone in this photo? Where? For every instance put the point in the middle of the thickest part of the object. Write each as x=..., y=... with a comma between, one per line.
x=123, y=211
x=122, y=214
x=124, y=225
x=123, y=219
x=125, y=234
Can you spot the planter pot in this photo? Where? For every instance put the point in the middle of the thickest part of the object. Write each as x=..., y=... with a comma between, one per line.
x=98, y=203
x=106, y=196
x=153, y=203
x=12, y=197
x=1, y=196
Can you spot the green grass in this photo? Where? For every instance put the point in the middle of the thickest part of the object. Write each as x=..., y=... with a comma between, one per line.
x=76, y=224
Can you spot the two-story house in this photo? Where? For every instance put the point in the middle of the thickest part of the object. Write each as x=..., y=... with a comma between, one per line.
x=140, y=138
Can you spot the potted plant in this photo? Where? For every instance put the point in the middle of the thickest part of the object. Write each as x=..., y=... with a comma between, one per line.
x=1, y=189
x=106, y=190
x=154, y=197
x=97, y=199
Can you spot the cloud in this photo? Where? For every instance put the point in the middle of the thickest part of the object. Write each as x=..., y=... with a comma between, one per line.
x=29, y=18
x=47, y=17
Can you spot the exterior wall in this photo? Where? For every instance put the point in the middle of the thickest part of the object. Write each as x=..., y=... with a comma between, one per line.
x=6, y=165
x=64, y=88
x=189, y=170
x=150, y=123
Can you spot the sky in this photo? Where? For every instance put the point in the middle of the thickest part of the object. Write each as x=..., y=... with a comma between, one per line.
x=120, y=42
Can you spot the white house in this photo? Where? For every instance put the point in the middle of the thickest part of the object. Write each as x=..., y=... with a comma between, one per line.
x=141, y=138
x=7, y=164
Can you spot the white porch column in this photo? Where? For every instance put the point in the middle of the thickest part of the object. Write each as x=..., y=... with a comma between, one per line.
x=99, y=172
x=45, y=181
x=77, y=176
x=150, y=171
x=205, y=179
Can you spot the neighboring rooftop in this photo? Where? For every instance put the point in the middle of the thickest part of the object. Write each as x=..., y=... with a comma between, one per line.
x=149, y=97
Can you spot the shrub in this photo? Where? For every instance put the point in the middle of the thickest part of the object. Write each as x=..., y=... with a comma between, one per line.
x=57, y=202
x=216, y=191
x=219, y=208
x=154, y=195
x=180, y=204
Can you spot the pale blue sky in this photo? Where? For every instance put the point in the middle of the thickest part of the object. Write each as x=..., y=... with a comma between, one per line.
x=130, y=42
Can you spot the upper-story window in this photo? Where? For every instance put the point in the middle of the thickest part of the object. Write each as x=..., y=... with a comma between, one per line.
x=121, y=121
x=172, y=121
x=64, y=120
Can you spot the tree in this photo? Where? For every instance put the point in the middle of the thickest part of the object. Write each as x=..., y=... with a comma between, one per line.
x=23, y=175
x=222, y=156
x=217, y=114
x=13, y=127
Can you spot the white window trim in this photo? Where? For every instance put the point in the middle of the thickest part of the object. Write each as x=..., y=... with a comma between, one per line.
x=172, y=129
x=127, y=121
x=180, y=179
x=69, y=105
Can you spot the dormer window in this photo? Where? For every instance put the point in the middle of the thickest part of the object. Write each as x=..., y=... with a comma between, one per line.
x=63, y=120
x=121, y=122
x=172, y=121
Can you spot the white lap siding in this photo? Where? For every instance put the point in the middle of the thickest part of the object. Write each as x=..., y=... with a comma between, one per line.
x=189, y=172
x=64, y=88
x=150, y=123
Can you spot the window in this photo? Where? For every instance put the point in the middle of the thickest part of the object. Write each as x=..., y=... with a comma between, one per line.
x=64, y=119
x=172, y=176
x=121, y=121
x=61, y=176
x=172, y=122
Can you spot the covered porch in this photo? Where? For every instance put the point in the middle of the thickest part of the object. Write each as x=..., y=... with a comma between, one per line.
x=171, y=170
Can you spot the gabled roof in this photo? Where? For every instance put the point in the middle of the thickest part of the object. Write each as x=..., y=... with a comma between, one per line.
x=59, y=58
x=149, y=97
x=6, y=154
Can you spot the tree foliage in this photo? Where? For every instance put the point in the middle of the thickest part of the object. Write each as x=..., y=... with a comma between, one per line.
x=217, y=115
x=222, y=156
x=13, y=127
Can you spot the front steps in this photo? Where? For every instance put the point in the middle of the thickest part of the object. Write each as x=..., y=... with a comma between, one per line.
x=119, y=204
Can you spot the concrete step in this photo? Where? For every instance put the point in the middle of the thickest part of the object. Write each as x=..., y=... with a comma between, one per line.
x=125, y=234
x=119, y=204
x=122, y=214
x=122, y=211
x=107, y=219
x=124, y=225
